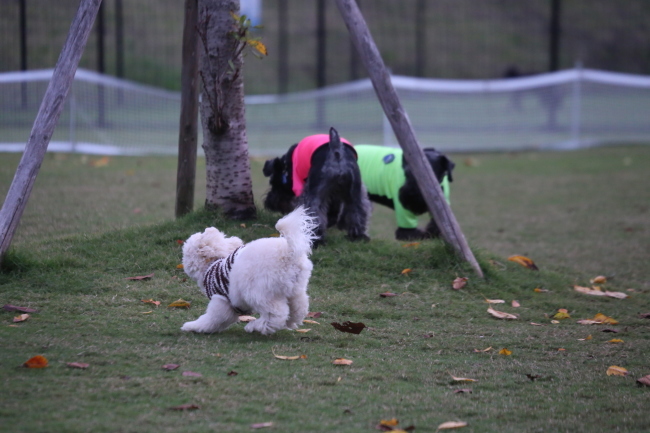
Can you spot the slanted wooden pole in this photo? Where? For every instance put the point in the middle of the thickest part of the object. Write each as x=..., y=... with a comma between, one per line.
x=431, y=191
x=187, y=136
x=46, y=120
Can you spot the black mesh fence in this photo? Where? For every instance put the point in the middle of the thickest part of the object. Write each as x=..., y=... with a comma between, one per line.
x=309, y=47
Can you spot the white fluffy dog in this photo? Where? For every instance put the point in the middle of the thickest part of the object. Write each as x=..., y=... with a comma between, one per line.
x=268, y=276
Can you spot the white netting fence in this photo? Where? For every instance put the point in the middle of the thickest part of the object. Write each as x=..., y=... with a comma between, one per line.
x=562, y=110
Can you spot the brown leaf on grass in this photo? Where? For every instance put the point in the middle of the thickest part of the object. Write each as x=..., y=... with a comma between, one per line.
x=262, y=425
x=463, y=391
x=483, y=350
x=540, y=290
x=388, y=294
x=495, y=301
x=350, y=327
x=180, y=266
x=38, y=361
x=101, y=162
x=81, y=365
x=151, y=301
x=389, y=422
x=185, y=407
x=21, y=318
x=615, y=340
x=515, y=304
x=588, y=291
x=411, y=245
x=289, y=358
x=501, y=314
x=615, y=331
x=524, y=261
x=192, y=374
x=179, y=304
x=645, y=380
x=598, y=280
x=142, y=277
x=232, y=373
x=342, y=361
x=459, y=283
x=313, y=322
x=599, y=319
x=462, y=379
x=303, y=330
x=644, y=315
x=505, y=351
x=451, y=424
x=406, y=271
x=9, y=307
x=532, y=377
x=314, y=314
x=247, y=319
x=617, y=295
x=615, y=370
x=180, y=241
x=588, y=337
x=561, y=314
x=170, y=367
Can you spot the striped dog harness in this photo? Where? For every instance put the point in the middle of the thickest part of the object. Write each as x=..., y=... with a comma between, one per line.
x=216, y=279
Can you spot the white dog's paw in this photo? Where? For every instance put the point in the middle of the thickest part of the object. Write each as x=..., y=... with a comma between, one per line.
x=192, y=327
x=261, y=326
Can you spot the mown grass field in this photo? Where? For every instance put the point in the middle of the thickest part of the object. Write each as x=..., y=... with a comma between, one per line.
x=92, y=222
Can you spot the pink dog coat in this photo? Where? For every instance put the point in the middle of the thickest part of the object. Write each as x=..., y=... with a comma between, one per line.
x=301, y=159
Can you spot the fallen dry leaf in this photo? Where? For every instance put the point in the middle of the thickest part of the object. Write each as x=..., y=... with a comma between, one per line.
x=645, y=380
x=459, y=283
x=555, y=322
x=389, y=422
x=495, y=301
x=289, y=358
x=342, y=361
x=588, y=337
x=314, y=315
x=644, y=315
x=483, y=350
x=262, y=425
x=598, y=320
x=599, y=280
x=180, y=266
x=615, y=370
x=536, y=324
x=170, y=367
x=14, y=308
x=524, y=261
x=505, y=351
x=313, y=322
x=38, y=361
x=411, y=245
x=463, y=391
x=101, y=162
x=561, y=314
x=407, y=271
x=304, y=330
x=388, y=294
x=232, y=373
x=350, y=327
x=246, y=319
x=179, y=304
x=151, y=301
x=617, y=295
x=143, y=277
x=451, y=424
x=462, y=379
x=501, y=314
x=540, y=290
x=81, y=365
x=185, y=407
x=21, y=318
x=615, y=340
x=192, y=374
x=515, y=304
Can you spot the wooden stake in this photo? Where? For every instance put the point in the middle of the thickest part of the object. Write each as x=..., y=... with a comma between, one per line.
x=45, y=122
x=187, y=136
x=431, y=191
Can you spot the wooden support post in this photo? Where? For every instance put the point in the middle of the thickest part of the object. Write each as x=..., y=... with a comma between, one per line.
x=187, y=136
x=433, y=196
x=45, y=122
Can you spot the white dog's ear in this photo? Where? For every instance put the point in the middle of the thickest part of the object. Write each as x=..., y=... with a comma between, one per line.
x=215, y=245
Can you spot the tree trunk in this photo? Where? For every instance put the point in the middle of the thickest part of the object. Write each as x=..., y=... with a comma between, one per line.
x=228, y=182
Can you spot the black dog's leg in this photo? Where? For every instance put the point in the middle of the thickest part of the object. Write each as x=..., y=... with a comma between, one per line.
x=355, y=214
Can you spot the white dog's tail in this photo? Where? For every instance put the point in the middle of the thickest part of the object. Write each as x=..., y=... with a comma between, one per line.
x=298, y=229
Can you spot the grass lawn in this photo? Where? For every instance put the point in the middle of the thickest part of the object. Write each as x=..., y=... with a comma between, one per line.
x=92, y=222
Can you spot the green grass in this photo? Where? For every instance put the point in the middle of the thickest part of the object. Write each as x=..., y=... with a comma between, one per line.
x=576, y=214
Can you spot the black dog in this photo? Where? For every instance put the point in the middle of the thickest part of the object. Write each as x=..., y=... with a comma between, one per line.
x=322, y=174
x=390, y=182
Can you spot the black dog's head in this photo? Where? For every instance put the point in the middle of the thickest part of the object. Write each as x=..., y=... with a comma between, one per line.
x=410, y=195
x=280, y=197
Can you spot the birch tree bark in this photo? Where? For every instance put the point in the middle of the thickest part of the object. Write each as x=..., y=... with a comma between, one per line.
x=223, y=114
